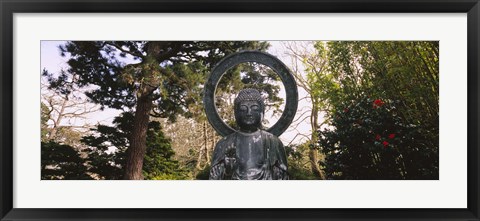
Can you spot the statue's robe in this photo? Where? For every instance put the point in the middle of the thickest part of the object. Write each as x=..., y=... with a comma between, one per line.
x=249, y=156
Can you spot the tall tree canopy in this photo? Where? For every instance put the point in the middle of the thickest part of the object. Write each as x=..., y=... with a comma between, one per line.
x=151, y=78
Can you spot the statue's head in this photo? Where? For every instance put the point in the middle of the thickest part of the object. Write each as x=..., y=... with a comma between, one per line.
x=249, y=108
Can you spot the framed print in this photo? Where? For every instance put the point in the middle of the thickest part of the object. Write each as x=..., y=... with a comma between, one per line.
x=396, y=137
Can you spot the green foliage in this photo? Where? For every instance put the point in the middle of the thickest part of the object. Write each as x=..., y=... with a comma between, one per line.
x=407, y=74
x=106, y=152
x=299, y=165
x=108, y=146
x=159, y=163
x=165, y=176
x=369, y=140
x=401, y=70
x=61, y=161
x=323, y=88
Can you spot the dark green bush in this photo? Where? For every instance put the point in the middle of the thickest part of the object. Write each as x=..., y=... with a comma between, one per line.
x=368, y=140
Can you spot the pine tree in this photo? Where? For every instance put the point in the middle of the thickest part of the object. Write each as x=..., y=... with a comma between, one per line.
x=60, y=161
x=162, y=81
x=109, y=145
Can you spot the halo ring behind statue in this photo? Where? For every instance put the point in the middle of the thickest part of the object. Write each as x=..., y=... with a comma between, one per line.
x=251, y=56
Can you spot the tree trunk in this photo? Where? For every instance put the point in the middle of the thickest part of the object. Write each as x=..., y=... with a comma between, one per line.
x=203, y=148
x=207, y=135
x=212, y=145
x=313, y=153
x=138, y=140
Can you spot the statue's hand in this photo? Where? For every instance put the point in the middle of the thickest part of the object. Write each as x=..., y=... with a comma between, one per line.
x=280, y=171
x=229, y=164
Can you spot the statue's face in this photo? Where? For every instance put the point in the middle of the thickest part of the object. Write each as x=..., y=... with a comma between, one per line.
x=249, y=115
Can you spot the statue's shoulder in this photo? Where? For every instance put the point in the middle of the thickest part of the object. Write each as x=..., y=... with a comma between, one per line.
x=226, y=140
x=267, y=134
x=270, y=136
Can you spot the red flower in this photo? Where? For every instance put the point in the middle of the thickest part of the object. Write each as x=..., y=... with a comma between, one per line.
x=391, y=136
x=377, y=137
x=378, y=103
x=385, y=144
x=345, y=110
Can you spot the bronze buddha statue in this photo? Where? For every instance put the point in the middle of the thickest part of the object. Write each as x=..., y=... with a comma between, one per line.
x=250, y=153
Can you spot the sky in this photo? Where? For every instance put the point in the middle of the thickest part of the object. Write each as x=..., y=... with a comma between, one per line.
x=54, y=63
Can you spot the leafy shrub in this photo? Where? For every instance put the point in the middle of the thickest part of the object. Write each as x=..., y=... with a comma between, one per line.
x=368, y=140
x=298, y=164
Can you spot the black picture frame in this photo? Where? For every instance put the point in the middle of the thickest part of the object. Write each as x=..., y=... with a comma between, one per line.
x=9, y=7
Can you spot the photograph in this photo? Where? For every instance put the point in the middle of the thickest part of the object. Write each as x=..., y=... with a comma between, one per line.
x=141, y=110
x=239, y=110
